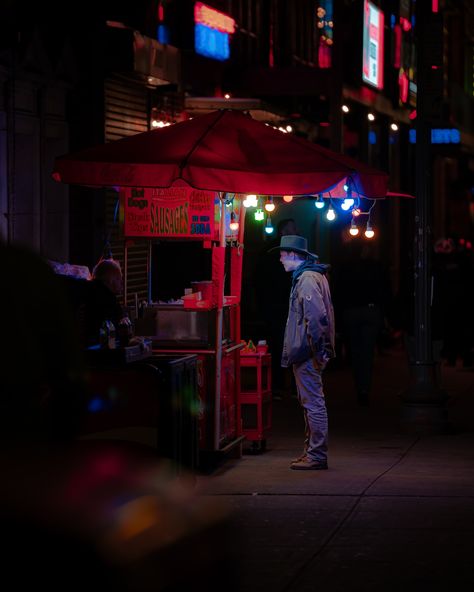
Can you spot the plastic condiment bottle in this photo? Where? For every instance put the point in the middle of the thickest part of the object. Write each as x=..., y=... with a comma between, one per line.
x=251, y=347
x=112, y=342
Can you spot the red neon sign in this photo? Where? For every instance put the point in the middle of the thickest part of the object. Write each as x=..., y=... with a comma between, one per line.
x=403, y=86
x=209, y=17
x=405, y=23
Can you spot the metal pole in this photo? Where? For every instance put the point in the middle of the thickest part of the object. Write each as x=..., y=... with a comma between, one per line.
x=219, y=323
x=423, y=408
x=243, y=213
x=149, y=271
x=125, y=273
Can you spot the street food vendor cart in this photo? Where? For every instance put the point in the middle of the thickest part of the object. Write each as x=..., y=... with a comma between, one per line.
x=172, y=182
x=203, y=317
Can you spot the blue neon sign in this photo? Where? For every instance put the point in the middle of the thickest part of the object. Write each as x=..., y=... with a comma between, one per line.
x=211, y=43
x=439, y=136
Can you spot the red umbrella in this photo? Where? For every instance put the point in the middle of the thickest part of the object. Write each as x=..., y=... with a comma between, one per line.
x=224, y=150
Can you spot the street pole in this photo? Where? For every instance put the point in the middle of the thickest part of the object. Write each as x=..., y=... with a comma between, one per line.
x=424, y=402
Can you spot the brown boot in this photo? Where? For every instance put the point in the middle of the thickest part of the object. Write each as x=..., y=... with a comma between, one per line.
x=307, y=464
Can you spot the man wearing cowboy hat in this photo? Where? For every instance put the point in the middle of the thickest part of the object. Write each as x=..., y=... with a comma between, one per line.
x=308, y=344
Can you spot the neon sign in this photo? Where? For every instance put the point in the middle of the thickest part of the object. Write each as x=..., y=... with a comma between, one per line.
x=212, y=30
x=439, y=136
x=372, y=58
x=403, y=84
x=209, y=17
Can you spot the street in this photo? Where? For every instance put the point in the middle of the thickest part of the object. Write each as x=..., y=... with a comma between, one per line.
x=393, y=512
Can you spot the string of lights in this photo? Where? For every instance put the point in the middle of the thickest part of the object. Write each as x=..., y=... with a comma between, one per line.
x=327, y=206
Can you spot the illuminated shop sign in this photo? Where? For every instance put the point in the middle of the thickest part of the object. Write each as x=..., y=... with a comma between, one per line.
x=372, y=57
x=212, y=30
x=325, y=25
x=439, y=136
x=172, y=212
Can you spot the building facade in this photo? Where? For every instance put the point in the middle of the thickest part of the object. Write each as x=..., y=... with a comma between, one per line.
x=342, y=73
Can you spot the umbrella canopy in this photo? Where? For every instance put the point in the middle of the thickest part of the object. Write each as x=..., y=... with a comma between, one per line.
x=225, y=150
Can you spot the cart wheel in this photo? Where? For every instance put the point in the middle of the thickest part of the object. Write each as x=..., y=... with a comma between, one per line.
x=263, y=445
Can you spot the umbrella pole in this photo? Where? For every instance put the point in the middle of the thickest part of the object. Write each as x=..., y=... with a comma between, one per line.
x=148, y=270
x=219, y=323
x=125, y=274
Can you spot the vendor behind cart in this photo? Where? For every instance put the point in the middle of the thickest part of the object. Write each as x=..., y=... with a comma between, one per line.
x=101, y=303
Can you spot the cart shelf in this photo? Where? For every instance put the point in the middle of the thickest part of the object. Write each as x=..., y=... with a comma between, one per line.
x=256, y=397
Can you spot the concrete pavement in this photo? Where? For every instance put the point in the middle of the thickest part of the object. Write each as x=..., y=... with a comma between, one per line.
x=394, y=512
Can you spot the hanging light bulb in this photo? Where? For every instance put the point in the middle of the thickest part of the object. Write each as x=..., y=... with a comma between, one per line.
x=319, y=203
x=349, y=200
x=268, y=225
x=369, y=232
x=269, y=205
x=353, y=230
x=259, y=215
x=331, y=215
x=288, y=198
x=250, y=201
x=234, y=225
x=356, y=212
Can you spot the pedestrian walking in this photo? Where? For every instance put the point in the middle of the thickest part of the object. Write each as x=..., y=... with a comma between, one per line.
x=308, y=344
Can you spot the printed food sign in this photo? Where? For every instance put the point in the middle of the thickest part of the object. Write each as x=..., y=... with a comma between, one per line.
x=171, y=212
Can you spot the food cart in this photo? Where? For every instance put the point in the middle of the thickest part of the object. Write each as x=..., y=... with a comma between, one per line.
x=203, y=317
x=172, y=182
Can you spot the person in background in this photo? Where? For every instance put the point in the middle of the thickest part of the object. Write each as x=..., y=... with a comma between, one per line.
x=101, y=302
x=362, y=293
x=275, y=304
x=109, y=273
x=308, y=344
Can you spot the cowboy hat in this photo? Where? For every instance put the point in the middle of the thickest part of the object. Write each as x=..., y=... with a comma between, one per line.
x=293, y=242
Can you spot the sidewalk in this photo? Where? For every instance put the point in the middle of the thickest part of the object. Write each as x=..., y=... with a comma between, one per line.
x=394, y=512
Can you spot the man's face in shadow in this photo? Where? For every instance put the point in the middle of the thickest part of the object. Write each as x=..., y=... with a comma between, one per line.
x=290, y=260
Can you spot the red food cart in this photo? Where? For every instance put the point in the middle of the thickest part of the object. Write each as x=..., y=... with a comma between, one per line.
x=203, y=318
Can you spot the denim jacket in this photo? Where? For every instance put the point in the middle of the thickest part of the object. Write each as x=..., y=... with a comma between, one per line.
x=309, y=331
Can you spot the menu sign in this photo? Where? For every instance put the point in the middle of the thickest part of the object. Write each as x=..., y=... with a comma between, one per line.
x=168, y=213
x=372, y=59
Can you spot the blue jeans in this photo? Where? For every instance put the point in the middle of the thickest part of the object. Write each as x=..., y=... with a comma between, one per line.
x=311, y=397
